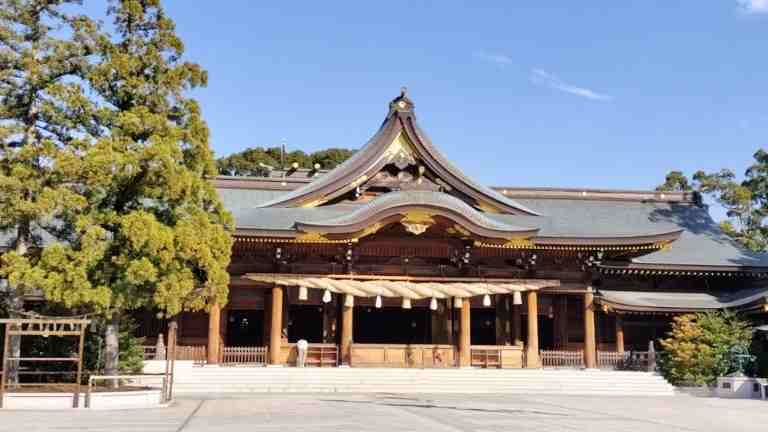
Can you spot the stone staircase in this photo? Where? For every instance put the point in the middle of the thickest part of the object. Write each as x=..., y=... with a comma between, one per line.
x=190, y=379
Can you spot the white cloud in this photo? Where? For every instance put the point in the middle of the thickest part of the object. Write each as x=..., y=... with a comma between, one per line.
x=753, y=6
x=546, y=79
x=500, y=59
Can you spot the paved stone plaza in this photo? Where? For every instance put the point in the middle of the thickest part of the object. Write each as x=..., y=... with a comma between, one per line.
x=401, y=413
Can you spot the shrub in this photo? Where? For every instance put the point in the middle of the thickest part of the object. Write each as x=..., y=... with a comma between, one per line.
x=701, y=347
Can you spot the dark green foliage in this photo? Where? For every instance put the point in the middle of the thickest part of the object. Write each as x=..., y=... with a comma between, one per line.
x=258, y=161
x=675, y=181
x=701, y=347
x=745, y=202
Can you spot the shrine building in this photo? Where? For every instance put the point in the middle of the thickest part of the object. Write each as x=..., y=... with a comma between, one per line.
x=396, y=258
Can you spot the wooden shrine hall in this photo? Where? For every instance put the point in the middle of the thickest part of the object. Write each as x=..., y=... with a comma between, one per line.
x=396, y=258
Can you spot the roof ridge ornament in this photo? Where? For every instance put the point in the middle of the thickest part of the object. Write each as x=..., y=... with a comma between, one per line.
x=402, y=102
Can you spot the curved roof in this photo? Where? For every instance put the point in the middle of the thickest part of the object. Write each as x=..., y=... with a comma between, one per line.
x=428, y=202
x=664, y=301
x=366, y=162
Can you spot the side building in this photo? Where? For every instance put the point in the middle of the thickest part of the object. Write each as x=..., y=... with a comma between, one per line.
x=396, y=258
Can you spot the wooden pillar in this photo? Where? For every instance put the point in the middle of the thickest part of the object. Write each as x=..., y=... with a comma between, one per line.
x=347, y=323
x=465, y=335
x=619, y=333
x=276, y=325
x=214, y=334
x=532, y=351
x=503, y=331
x=517, y=325
x=590, y=349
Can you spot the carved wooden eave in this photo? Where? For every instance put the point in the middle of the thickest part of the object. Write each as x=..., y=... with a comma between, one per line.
x=416, y=211
x=638, y=269
x=399, y=142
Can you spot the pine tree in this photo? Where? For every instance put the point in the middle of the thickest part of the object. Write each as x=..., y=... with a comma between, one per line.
x=154, y=233
x=43, y=114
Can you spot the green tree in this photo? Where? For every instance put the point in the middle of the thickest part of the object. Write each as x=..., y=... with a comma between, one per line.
x=700, y=346
x=330, y=158
x=745, y=202
x=254, y=162
x=154, y=233
x=42, y=108
x=259, y=161
x=675, y=181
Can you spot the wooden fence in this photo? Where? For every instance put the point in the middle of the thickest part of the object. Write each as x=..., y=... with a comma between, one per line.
x=322, y=355
x=403, y=355
x=562, y=359
x=244, y=355
x=197, y=353
x=486, y=357
x=612, y=359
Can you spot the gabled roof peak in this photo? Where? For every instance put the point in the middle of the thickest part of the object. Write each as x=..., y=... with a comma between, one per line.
x=399, y=155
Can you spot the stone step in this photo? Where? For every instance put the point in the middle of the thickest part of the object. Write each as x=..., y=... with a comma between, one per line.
x=190, y=379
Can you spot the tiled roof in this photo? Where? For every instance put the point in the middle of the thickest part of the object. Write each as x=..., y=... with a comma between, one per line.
x=702, y=243
x=681, y=301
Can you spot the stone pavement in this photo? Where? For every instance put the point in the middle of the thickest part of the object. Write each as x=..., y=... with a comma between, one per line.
x=402, y=413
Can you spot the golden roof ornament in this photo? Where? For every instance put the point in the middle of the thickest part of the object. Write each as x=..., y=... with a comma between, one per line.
x=402, y=102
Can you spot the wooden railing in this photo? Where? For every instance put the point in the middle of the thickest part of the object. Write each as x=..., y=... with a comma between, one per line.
x=486, y=356
x=197, y=353
x=322, y=355
x=562, y=359
x=403, y=355
x=244, y=355
x=612, y=359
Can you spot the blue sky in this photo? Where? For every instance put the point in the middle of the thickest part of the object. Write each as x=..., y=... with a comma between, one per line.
x=605, y=93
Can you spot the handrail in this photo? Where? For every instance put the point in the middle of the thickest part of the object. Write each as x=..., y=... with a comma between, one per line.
x=92, y=378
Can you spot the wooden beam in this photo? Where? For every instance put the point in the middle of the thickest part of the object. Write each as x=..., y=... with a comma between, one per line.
x=276, y=325
x=347, y=323
x=465, y=336
x=532, y=350
x=590, y=343
x=619, y=333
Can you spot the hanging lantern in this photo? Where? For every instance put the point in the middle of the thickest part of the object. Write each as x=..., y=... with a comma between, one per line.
x=378, y=302
x=327, y=296
x=517, y=298
x=550, y=312
x=349, y=300
x=303, y=293
x=457, y=302
x=486, y=300
x=433, y=304
x=406, y=303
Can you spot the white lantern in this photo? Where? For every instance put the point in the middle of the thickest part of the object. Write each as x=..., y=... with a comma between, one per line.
x=327, y=296
x=517, y=298
x=486, y=300
x=433, y=304
x=406, y=303
x=378, y=302
x=303, y=294
x=349, y=300
x=457, y=302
